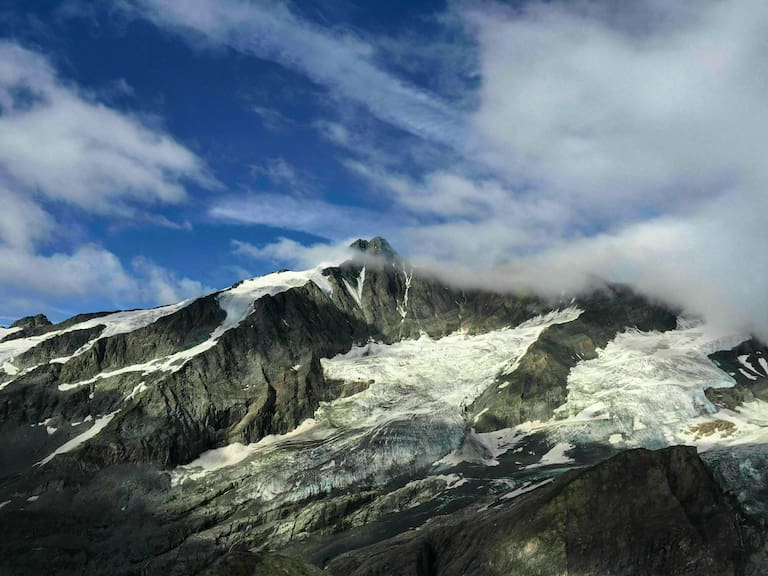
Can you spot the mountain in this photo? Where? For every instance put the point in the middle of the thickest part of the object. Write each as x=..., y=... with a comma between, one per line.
x=368, y=418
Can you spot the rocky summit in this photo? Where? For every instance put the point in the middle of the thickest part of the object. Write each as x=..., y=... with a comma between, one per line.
x=369, y=418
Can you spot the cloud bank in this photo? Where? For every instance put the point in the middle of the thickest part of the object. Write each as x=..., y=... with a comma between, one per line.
x=60, y=147
x=613, y=140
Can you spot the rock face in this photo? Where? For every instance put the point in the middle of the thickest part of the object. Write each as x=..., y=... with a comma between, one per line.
x=747, y=363
x=32, y=322
x=125, y=437
x=244, y=386
x=655, y=513
x=539, y=384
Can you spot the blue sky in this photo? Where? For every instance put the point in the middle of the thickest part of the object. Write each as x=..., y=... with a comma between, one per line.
x=152, y=150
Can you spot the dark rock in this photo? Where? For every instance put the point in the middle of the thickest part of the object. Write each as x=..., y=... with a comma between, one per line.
x=37, y=321
x=641, y=512
x=244, y=563
x=539, y=384
x=751, y=383
x=376, y=247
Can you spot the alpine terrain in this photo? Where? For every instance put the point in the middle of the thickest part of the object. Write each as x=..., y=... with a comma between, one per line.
x=369, y=419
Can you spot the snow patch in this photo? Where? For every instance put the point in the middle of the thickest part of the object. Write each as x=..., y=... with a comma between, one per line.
x=402, y=308
x=555, y=456
x=8, y=331
x=115, y=323
x=357, y=291
x=77, y=441
x=10, y=369
x=525, y=488
x=747, y=375
x=138, y=389
x=746, y=363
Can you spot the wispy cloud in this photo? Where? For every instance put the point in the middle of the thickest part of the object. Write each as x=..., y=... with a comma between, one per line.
x=271, y=118
x=59, y=146
x=297, y=255
x=337, y=59
x=57, y=142
x=312, y=216
x=281, y=173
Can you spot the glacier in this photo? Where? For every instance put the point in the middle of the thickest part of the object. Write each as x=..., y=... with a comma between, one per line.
x=411, y=415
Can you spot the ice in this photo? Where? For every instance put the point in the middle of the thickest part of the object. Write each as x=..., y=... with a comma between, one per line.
x=77, y=441
x=116, y=323
x=357, y=291
x=555, y=456
x=8, y=331
x=412, y=415
x=647, y=389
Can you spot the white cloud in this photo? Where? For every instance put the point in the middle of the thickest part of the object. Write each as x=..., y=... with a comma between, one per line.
x=88, y=271
x=93, y=272
x=281, y=173
x=59, y=146
x=308, y=215
x=159, y=285
x=336, y=59
x=292, y=253
x=597, y=112
x=22, y=222
x=58, y=143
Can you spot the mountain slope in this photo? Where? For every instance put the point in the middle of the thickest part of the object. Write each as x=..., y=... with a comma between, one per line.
x=309, y=414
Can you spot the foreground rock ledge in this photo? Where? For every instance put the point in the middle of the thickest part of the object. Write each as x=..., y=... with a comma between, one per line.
x=641, y=512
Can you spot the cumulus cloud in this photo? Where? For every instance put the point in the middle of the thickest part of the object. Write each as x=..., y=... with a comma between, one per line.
x=295, y=254
x=645, y=130
x=58, y=143
x=89, y=272
x=59, y=146
x=591, y=109
x=337, y=59
x=609, y=139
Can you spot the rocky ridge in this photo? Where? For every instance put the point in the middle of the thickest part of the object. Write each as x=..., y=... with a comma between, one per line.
x=111, y=421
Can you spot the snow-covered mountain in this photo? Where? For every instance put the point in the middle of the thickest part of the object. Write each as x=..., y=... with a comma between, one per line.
x=302, y=419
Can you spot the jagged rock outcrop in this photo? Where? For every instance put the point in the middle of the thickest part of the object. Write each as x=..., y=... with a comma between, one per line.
x=261, y=377
x=167, y=385
x=747, y=363
x=641, y=512
x=539, y=384
x=32, y=322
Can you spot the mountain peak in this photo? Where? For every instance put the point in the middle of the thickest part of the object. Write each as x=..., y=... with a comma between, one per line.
x=37, y=321
x=377, y=247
